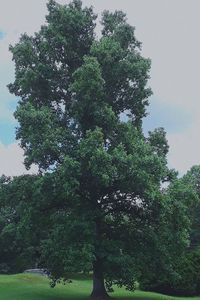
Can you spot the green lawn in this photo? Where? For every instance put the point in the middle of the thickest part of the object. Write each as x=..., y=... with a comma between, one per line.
x=33, y=287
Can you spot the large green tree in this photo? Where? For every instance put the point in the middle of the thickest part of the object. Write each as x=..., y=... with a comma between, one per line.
x=104, y=176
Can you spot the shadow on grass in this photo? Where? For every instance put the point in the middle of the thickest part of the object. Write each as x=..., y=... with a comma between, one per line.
x=75, y=297
x=144, y=296
x=80, y=276
x=63, y=297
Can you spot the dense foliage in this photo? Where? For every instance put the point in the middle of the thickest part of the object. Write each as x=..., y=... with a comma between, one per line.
x=180, y=274
x=184, y=282
x=18, y=239
x=100, y=199
x=192, y=178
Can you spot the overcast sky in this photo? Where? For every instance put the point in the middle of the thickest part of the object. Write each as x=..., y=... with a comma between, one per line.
x=169, y=32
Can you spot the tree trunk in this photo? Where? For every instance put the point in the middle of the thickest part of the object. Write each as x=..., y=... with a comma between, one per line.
x=99, y=291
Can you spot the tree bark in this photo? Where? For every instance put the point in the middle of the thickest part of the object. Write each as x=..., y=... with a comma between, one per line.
x=99, y=291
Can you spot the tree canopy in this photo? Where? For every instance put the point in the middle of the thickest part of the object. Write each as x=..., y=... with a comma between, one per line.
x=103, y=198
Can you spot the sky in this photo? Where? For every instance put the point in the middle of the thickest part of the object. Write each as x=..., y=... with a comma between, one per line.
x=169, y=32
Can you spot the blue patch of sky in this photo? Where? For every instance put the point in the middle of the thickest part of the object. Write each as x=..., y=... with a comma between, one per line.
x=7, y=133
x=8, y=128
x=2, y=35
x=13, y=104
x=173, y=118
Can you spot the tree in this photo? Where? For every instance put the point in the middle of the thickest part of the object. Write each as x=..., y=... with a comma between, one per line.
x=192, y=179
x=172, y=265
x=18, y=233
x=104, y=177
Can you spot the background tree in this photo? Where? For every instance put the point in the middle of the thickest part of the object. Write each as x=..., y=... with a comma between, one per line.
x=24, y=223
x=192, y=179
x=73, y=89
x=172, y=265
x=18, y=232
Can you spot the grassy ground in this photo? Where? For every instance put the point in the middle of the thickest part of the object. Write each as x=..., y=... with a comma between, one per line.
x=34, y=287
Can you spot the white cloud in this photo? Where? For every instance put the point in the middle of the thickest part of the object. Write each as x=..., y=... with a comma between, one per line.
x=17, y=17
x=11, y=161
x=22, y=15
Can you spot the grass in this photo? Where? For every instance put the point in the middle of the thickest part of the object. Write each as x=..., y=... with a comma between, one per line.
x=35, y=287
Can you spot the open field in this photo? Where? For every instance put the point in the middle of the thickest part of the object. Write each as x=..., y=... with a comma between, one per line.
x=34, y=287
